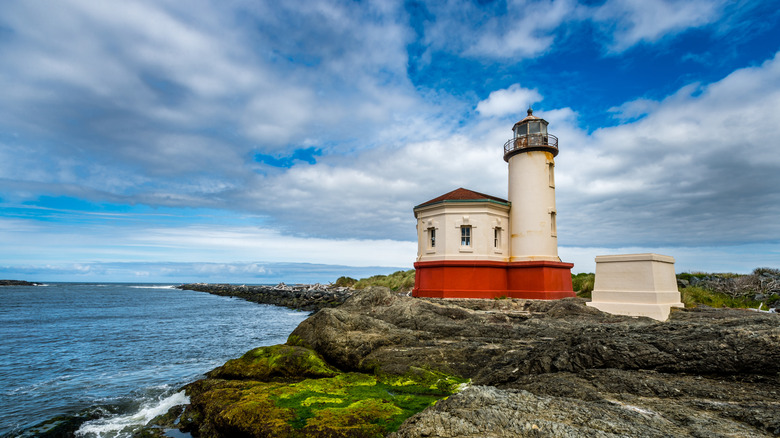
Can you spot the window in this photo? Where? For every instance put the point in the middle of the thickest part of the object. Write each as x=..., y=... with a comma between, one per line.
x=432, y=237
x=496, y=237
x=551, y=167
x=465, y=235
x=553, y=226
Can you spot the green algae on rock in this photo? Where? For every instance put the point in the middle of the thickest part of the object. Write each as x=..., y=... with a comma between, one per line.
x=289, y=391
x=275, y=363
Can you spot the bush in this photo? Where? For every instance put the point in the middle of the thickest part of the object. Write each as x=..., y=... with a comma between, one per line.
x=582, y=284
x=345, y=282
x=769, y=271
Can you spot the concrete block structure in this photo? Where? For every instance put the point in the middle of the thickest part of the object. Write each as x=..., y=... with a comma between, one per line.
x=473, y=245
x=636, y=285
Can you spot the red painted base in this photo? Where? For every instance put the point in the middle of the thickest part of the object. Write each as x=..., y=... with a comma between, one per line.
x=541, y=280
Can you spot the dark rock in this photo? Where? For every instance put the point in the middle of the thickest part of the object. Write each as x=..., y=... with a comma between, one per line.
x=485, y=411
x=379, y=328
x=538, y=369
x=568, y=369
x=302, y=297
x=17, y=283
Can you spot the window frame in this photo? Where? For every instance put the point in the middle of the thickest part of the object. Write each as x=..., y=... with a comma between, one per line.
x=465, y=236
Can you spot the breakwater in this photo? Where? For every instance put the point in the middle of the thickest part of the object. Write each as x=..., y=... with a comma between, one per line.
x=302, y=297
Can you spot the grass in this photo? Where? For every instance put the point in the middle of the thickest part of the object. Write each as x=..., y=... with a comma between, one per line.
x=399, y=280
x=692, y=296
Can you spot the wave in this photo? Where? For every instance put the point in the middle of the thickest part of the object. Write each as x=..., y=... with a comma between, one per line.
x=162, y=286
x=120, y=426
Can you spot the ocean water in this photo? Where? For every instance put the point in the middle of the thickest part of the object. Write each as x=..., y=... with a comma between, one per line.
x=123, y=350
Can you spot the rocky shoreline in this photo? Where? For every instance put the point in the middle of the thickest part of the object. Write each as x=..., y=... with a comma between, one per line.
x=310, y=297
x=535, y=368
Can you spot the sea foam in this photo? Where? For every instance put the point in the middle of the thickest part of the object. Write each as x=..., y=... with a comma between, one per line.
x=124, y=425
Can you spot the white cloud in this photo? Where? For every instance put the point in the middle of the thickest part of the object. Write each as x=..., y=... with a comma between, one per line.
x=634, y=109
x=630, y=22
x=514, y=30
x=510, y=101
x=700, y=168
x=166, y=104
x=137, y=240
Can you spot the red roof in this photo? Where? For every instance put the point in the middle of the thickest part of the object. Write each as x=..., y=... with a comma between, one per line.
x=461, y=194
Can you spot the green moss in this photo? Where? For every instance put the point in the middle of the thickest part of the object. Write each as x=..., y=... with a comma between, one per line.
x=296, y=341
x=375, y=404
x=278, y=362
x=341, y=405
x=423, y=381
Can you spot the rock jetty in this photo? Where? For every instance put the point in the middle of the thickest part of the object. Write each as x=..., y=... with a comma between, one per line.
x=301, y=297
x=17, y=283
x=535, y=369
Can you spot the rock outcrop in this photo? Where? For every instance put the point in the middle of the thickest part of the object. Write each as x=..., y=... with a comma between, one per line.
x=301, y=297
x=576, y=371
x=536, y=369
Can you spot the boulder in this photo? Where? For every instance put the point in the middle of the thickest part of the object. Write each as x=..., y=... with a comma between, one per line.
x=559, y=368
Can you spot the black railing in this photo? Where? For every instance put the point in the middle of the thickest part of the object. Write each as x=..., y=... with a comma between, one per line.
x=531, y=141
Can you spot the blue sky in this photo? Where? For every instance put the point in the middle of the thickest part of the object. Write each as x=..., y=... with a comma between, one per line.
x=256, y=142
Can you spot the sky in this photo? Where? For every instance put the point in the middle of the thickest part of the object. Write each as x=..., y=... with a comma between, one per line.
x=263, y=141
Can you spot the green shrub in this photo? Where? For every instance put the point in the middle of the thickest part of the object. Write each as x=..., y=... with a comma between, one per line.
x=345, y=282
x=582, y=284
x=771, y=271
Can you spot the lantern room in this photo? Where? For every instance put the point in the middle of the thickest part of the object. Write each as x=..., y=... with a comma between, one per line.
x=530, y=134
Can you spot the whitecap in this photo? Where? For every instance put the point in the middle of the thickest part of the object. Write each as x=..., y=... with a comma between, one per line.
x=162, y=286
x=123, y=425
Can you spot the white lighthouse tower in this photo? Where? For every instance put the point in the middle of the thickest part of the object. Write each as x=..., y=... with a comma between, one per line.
x=530, y=154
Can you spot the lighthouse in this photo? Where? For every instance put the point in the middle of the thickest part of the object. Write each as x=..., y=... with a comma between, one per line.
x=473, y=245
x=530, y=154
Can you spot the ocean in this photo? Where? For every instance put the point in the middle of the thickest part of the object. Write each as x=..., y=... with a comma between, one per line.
x=120, y=351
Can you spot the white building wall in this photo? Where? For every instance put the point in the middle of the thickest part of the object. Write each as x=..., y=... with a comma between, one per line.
x=448, y=217
x=532, y=197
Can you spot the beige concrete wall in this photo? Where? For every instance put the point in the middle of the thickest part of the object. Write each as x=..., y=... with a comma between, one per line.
x=447, y=218
x=532, y=198
x=636, y=285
